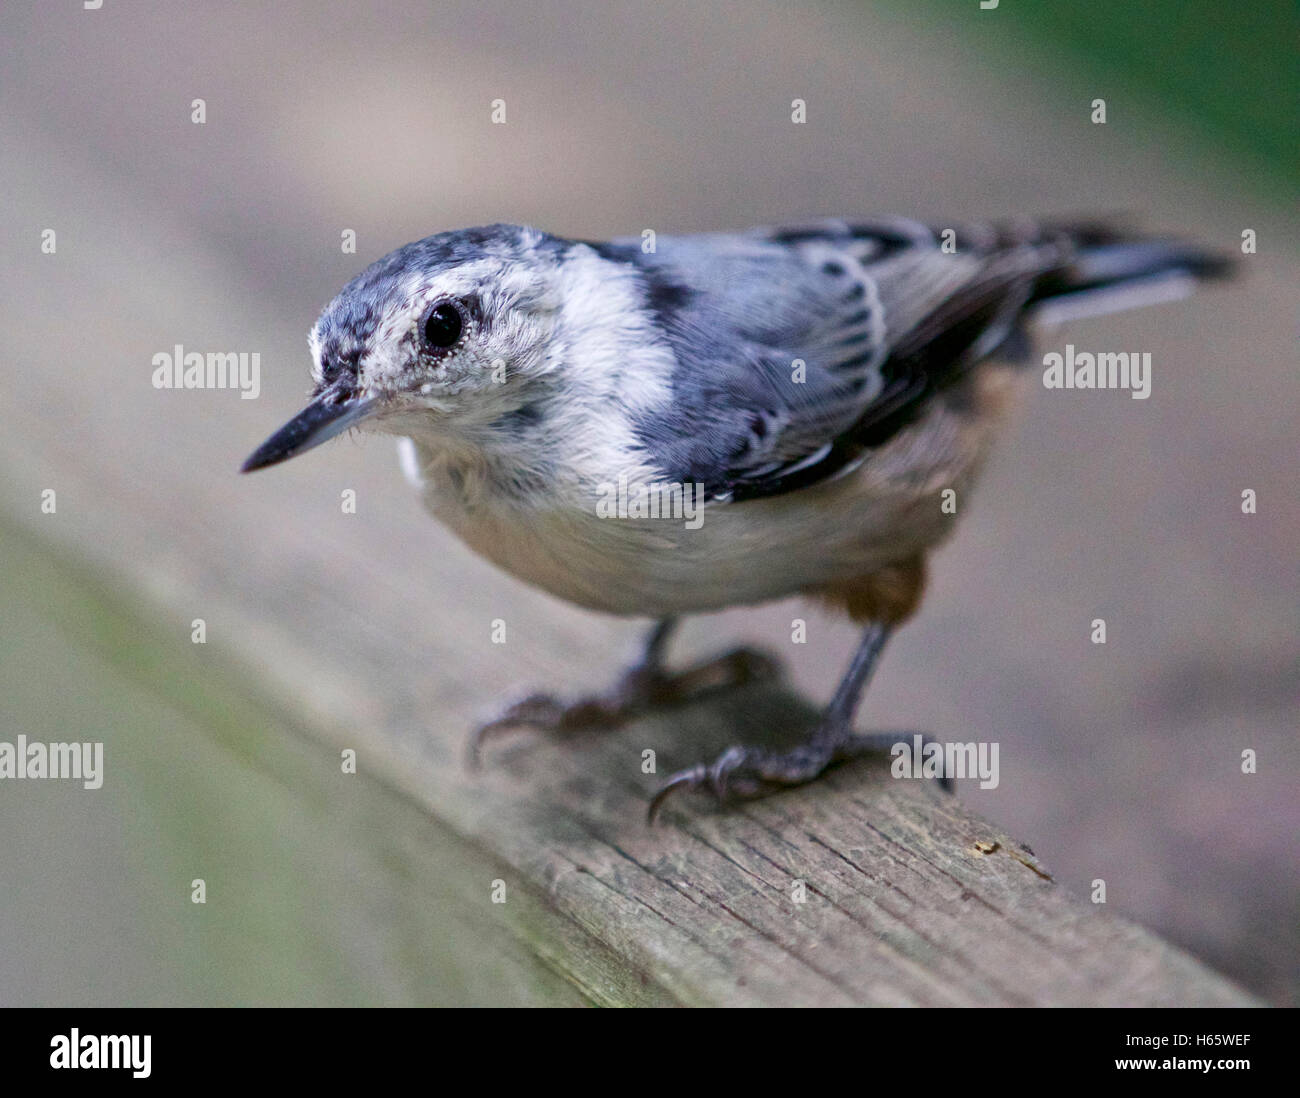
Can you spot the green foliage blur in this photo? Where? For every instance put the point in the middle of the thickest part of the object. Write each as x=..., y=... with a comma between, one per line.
x=1228, y=72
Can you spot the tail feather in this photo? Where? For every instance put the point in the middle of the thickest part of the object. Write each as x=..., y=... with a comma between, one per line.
x=1110, y=270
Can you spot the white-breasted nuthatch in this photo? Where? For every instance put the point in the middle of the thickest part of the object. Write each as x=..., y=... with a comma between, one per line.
x=719, y=420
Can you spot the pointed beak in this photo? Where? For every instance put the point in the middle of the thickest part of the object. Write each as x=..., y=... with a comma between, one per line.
x=321, y=420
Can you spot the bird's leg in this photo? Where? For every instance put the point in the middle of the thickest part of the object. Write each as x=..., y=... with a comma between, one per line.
x=644, y=686
x=743, y=772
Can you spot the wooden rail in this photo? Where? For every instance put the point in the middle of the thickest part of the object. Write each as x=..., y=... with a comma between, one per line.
x=862, y=890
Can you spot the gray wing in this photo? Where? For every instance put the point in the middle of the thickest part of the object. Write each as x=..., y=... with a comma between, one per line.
x=796, y=349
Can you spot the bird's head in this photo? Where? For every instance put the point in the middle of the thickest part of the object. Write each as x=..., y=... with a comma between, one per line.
x=446, y=333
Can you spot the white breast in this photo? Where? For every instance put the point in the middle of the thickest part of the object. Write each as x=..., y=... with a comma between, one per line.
x=740, y=553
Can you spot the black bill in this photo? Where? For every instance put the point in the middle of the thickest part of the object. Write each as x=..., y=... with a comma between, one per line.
x=321, y=420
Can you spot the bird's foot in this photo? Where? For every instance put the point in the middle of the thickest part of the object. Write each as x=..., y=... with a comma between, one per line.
x=743, y=773
x=638, y=691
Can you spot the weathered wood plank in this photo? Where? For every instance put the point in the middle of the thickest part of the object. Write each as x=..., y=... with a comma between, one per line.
x=322, y=889
x=910, y=900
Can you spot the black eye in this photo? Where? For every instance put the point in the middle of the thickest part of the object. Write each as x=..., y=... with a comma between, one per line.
x=442, y=327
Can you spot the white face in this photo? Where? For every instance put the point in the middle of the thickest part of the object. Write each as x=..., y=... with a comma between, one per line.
x=459, y=342
x=495, y=343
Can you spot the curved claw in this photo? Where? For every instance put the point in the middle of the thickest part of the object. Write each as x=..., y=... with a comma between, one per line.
x=684, y=779
x=640, y=689
x=717, y=776
x=535, y=711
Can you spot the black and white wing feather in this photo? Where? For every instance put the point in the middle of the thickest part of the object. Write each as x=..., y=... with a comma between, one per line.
x=798, y=350
x=787, y=342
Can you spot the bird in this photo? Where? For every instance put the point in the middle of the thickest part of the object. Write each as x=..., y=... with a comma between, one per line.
x=783, y=411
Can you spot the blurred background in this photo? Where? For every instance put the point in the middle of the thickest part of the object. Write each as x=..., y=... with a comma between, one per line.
x=1119, y=762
